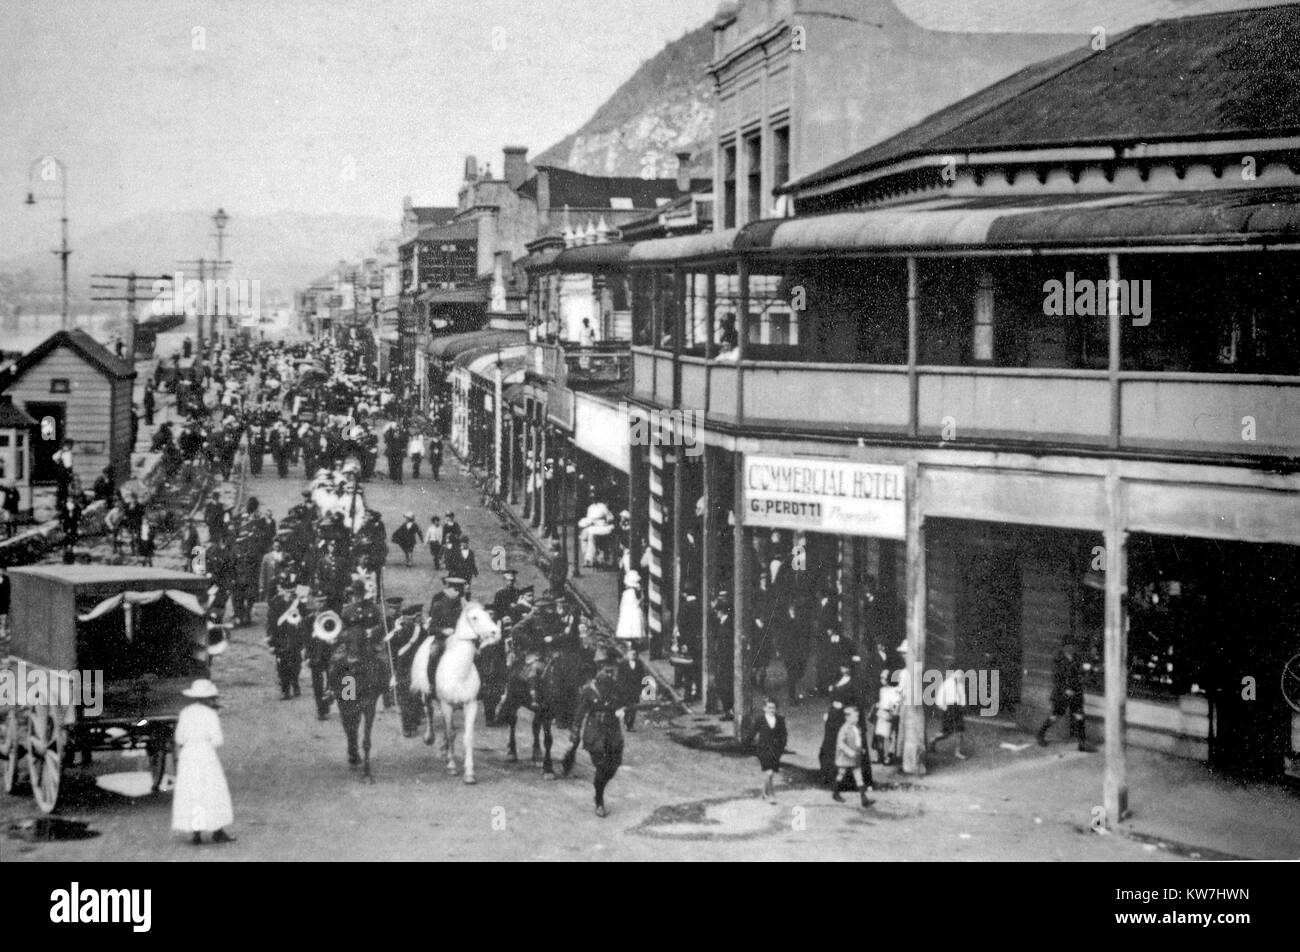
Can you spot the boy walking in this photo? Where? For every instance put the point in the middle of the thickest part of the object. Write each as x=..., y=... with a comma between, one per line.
x=848, y=756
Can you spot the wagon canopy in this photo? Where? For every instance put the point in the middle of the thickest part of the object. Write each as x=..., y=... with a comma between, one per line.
x=59, y=613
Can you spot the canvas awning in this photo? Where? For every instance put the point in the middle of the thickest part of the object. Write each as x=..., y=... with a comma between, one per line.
x=592, y=257
x=1236, y=216
x=450, y=346
x=475, y=295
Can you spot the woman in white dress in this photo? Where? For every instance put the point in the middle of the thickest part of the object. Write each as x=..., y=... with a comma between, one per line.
x=201, y=802
x=631, y=626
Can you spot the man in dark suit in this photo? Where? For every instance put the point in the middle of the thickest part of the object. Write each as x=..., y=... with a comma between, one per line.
x=462, y=564
x=843, y=693
x=214, y=514
x=631, y=676
x=767, y=738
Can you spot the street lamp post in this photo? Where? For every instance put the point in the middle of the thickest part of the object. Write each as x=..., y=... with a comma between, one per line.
x=220, y=219
x=47, y=164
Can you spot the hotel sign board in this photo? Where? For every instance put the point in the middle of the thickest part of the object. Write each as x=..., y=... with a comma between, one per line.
x=838, y=497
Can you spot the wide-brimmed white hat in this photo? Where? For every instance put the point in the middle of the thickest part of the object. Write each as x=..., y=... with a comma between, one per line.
x=201, y=689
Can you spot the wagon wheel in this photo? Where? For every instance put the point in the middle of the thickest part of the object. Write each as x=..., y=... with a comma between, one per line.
x=46, y=742
x=10, y=749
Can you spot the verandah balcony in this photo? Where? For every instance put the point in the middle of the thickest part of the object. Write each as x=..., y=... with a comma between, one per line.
x=964, y=350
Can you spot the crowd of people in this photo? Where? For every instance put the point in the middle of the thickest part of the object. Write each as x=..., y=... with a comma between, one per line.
x=320, y=568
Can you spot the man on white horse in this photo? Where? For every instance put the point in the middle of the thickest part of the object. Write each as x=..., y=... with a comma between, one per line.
x=444, y=613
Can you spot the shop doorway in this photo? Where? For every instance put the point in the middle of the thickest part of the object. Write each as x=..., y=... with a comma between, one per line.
x=51, y=417
x=990, y=609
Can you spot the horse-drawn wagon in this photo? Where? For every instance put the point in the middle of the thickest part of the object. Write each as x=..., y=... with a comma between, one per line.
x=98, y=658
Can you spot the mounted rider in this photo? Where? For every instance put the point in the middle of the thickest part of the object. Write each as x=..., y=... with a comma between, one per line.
x=444, y=614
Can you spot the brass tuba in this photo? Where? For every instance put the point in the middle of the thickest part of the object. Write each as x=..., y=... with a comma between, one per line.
x=327, y=628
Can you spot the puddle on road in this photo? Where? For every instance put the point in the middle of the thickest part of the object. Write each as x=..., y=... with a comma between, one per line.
x=43, y=828
x=739, y=819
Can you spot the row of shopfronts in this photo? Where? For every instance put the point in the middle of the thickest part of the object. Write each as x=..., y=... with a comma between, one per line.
x=981, y=408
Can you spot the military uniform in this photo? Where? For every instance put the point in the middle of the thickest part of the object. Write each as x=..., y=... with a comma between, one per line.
x=535, y=635
x=596, y=723
x=408, y=633
x=503, y=602
x=287, y=640
x=444, y=615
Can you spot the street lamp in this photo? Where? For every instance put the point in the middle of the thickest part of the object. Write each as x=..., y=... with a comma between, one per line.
x=376, y=292
x=220, y=219
x=50, y=167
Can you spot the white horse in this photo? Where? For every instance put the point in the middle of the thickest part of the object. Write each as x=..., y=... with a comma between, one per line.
x=455, y=682
x=330, y=494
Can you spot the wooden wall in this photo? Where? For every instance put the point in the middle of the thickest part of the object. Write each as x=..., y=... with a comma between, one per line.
x=98, y=410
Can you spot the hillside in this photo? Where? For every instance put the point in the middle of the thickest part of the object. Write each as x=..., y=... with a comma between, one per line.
x=665, y=107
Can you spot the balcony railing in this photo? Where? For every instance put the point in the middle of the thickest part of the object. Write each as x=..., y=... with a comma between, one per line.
x=1196, y=414
x=581, y=368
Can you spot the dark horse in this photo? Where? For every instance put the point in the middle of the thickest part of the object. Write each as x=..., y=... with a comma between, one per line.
x=550, y=690
x=359, y=675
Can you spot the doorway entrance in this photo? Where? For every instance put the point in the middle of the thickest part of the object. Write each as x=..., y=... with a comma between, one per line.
x=51, y=418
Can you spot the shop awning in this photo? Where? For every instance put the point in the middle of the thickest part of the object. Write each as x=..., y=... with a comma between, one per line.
x=592, y=257
x=1206, y=217
x=538, y=260
x=482, y=364
x=450, y=346
x=684, y=248
x=513, y=396
x=437, y=296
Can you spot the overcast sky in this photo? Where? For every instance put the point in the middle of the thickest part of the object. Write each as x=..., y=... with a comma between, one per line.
x=332, y=105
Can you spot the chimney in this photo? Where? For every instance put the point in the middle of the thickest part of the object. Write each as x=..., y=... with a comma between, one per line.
x=683, y=171
x=514, y=165
x=543, y=191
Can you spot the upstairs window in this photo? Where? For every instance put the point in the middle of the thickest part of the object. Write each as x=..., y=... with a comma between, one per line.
x=754, y=177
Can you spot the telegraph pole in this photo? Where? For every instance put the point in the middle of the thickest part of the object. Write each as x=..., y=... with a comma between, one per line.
x=129, y=296
x=207, y=268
